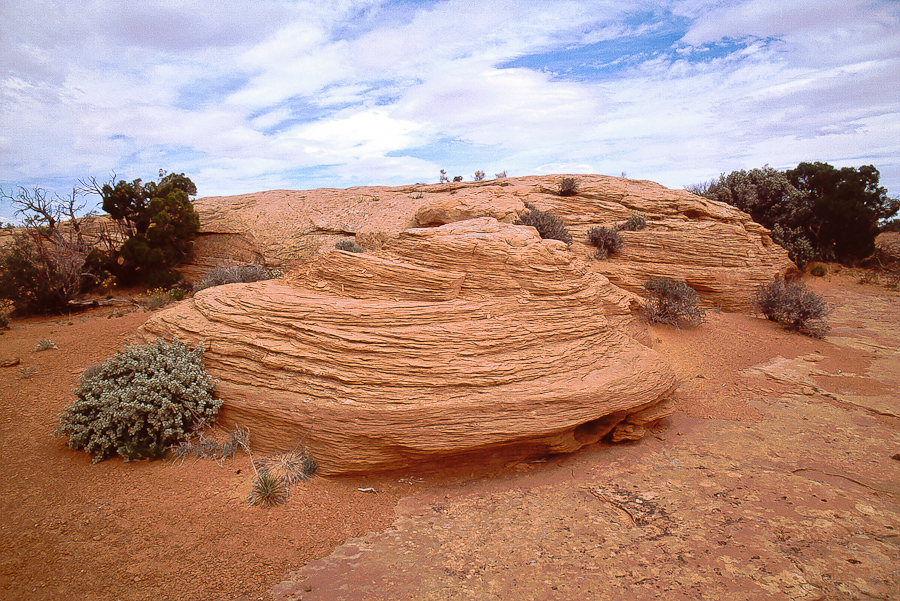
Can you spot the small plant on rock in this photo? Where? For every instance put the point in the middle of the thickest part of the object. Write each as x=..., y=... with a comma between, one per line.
x=140, y=402
x=568, y=186
x=236, y=274
x=548, y=225
x=636, y=221
x=349, y=246
x=794, y=306
x=672, y=302
x=607, y=240
x=479, y=175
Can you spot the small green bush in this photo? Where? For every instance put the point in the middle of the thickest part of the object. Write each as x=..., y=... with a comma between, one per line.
x=349, y=246
x=548, y=225
x=818, y=270
x=607, y=240
x=636, y=221
x=794, y=306
x=672, y=302
x=236, y=274
x=143, y=400
x=4, y=321
x=568, y=186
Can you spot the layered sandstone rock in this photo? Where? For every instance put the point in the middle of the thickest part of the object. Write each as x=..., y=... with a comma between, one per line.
x=716, y=248
x=476, y=337
x=457, y=333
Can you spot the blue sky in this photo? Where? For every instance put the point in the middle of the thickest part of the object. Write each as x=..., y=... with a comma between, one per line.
x=249, y=96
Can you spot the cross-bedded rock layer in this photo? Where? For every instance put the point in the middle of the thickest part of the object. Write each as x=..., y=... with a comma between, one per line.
x=715, y=248
x=476, y=337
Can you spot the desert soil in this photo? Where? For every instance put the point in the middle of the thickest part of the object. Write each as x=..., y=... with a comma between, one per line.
x=778, y=477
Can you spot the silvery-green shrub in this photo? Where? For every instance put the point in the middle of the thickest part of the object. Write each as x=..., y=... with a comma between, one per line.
x=143, y=400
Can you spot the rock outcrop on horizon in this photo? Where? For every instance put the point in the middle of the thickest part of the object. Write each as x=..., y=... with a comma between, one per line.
x=714, y=247
x=474, y=338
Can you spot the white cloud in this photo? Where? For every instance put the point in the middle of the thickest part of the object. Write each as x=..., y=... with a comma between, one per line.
x=288, y=94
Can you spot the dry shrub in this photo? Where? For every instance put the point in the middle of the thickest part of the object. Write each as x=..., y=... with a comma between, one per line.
x=268, y=490
x=672, y=302
x=548, y=225
x=276, y=474
x=794, y=306
x=349, y=245
x=235, y=274
x=636, y=221
x=292, y=467
x=607, y=240
x=568, y=186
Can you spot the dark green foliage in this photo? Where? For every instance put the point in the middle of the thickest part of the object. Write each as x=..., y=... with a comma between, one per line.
x=794, y=306
x=349, y=246
x=568, y=186
x=160, y=224
x=548, y=225
x=672, y=302
x=890, y=226
x=815, y=211
x=847, y=205
x=4, y=321
x=140, y=402
x=607, y=240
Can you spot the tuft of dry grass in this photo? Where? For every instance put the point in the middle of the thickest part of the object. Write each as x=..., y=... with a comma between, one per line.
x=292, y=467
x=268, y=490
x=45, y=344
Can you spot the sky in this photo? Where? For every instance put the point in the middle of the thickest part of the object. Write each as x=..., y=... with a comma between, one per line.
x=270, y=94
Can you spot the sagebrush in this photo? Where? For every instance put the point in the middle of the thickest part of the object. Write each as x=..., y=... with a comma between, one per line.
x=138, y=403
x=672, y=302
x=548, y=225
x=794, y=306
x=608, y=241
x=635, y=222
x=349, y=245
x=568, y=186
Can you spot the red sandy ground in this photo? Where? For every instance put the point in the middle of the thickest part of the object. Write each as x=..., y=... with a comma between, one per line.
x=182, y=530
